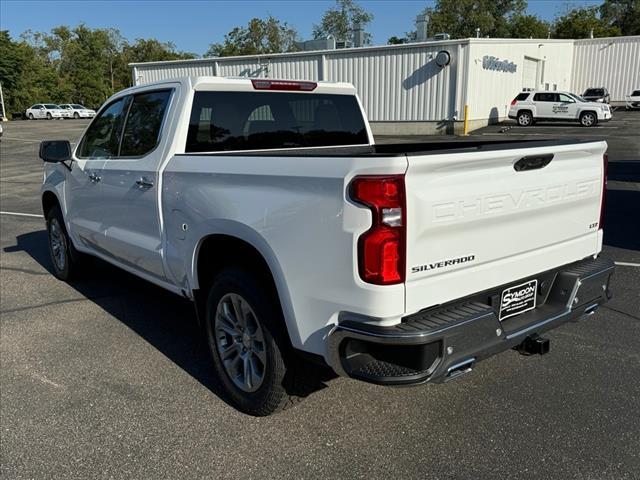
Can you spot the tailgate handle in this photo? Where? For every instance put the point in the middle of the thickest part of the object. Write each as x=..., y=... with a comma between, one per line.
x=533, y=162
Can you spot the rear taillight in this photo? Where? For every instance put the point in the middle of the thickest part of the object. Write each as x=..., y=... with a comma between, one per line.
x=283, y=85
x=381, y=249
x=605, y=166
x=514, y=101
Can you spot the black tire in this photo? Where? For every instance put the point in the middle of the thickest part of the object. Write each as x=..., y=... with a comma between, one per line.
x=31, y=117
x=68, y=266
x=525, y=119
x=76, y=115
x=588, y=119
x=49, y=116
x=270, y=395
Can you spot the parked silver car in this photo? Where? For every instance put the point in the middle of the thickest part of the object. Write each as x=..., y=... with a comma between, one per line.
x=78, y=111
x=46, y=110
x=633, y=100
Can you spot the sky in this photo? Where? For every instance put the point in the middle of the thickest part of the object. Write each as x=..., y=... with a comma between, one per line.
x=193, y=25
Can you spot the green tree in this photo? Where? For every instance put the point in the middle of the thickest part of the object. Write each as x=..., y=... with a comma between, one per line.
x=528, y=26
x=26, y=74
x=144, y=50
x=341, y=20
x=396, y=40
x=72, y=65
x=259, y=36
x=579, y=22
x=460, y=18
x=623, y=14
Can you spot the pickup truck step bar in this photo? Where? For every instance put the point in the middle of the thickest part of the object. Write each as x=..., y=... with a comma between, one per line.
x=426, y=346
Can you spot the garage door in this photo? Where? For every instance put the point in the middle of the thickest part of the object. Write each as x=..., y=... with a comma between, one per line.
x=530, y=73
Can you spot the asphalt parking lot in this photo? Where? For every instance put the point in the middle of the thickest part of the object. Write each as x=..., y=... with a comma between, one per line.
x=107, y=378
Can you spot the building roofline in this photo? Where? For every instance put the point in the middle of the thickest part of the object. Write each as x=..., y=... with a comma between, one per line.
x=303, y=53
x=404, y=46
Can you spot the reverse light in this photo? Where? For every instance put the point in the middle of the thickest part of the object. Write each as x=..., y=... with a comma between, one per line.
x=605, y=167
x=381, y=249
x=283, y=85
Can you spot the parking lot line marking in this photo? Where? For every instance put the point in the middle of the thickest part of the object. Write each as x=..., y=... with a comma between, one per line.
x=17, y=214
x=628, y=264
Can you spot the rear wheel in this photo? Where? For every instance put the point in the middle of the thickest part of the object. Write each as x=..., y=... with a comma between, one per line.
x=588, y=119
x=49, y=116
x=244, y=328
x=65, y=258
x=31, y=117
x=525, y=118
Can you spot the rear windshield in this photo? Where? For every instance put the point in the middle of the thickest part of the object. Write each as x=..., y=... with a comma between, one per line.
x=77, y=106
x=636, y=93
x=522, y=96
x=226, y=121
x=51, y=106
x=594, y=92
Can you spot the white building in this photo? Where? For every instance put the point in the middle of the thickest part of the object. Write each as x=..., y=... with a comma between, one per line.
x=410, y=89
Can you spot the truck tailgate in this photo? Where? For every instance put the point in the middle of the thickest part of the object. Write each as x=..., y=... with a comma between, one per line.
x=474, y=222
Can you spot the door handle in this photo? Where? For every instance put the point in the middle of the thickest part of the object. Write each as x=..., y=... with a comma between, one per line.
x=143, y=183
x=94, y=178
x=533, y=162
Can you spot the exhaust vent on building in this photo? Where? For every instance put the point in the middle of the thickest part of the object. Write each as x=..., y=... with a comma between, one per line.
x=421, y=28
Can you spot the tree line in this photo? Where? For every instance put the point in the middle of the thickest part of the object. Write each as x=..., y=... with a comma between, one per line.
x=84, y=65
x=77, y=65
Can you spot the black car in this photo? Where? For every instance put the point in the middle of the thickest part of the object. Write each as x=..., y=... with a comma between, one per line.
x=599, y=94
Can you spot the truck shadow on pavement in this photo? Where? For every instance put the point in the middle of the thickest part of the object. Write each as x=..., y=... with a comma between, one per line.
x=166, y=321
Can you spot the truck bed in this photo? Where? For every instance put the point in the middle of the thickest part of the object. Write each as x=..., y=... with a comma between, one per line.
x=398, y=149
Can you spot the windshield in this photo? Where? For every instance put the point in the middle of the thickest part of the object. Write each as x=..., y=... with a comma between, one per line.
x=66, y=107
x=51, y=106
x=594, y=92
x=577, y=97
x=636, y=93
x=77, y=106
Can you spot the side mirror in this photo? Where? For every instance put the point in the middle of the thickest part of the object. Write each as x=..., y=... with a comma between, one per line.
x=55, y=151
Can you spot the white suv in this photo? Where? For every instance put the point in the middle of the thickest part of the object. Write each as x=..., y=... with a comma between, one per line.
x=529, y=107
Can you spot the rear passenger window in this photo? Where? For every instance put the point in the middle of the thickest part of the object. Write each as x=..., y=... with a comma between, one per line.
x=522, y=96
x=103, y=136
x=227, y=121
x=142, y=128
x=545, y=97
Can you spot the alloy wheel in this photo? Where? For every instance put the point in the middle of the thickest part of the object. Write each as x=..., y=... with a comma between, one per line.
x=588, y=119
x=240, y=342
x=58, y=244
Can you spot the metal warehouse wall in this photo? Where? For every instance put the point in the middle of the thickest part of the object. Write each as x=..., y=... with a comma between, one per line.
x=613, y=63
x=489, y=92
x=395, y=83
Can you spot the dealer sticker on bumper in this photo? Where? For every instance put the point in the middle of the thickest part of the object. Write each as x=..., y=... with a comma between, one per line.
x=518, y=299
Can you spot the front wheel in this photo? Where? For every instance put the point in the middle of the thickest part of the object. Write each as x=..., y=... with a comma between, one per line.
x=525, y=119
x=588, y=119
x=245, y=336
x=76, y=115
x=64, y=256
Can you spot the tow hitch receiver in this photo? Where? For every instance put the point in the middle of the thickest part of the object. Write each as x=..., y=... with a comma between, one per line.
x=533, y=345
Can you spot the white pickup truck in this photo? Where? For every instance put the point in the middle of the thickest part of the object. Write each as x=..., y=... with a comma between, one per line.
x=268, y=204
